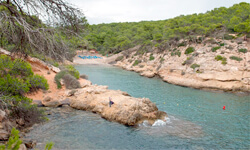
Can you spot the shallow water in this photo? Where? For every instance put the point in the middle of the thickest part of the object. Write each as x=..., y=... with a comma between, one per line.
x=196, y=118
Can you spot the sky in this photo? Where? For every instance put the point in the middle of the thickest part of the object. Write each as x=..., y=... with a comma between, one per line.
x=108, y=11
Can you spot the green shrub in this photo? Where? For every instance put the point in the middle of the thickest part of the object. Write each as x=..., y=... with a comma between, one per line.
x=38, y=82
x=219, y=57
x=228, y=37
x=214, y=49
x=243, y=50
x=56, y=64
x=22, y=68
x=188, y=61
x=189, y=50
x=151, y=57
x=222, y=59
x=162, y=60
x=49, y=145
x=66, y=70
x=5, y=63
x=59, y=76
x=235, y=58
x=71, y=82
x=119, y=58
x=223, y=62
x=21, y=108
x=194, y=66
x=181, y=44
x=136, y=62
x=176, y=53
x=222, y=44
x=17, y=77
x=14, y=142
x=13, y=86
x=73, y=71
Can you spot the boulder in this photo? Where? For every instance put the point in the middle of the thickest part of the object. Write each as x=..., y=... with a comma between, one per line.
x=22, y=147
x=4, y=135
x=126, y=110
x=50, y=102
x=38, y=103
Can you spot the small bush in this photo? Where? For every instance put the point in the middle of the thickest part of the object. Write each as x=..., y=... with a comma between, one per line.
x=188, y=61
x=243, y=50
x=83, y=76
x=181, y=44
x=151, y=57
x=38, y=82
x=136, y=62
x=189, y=50
x=66, y=70
x=73, y=71
x=119, y=58
x=176, y=53
x=22, y=68
x=224, y=62
x=21, y=108
x=219, y=57
x=59, y=76
x=162, y=60
x=228, y=37
x=235, y=58
x=222, y=44
x=194, y=66
x=214, y=49
x=183, y=73
x=71, y=82
x=13, y=86
x=14, y=142
x=222, y=59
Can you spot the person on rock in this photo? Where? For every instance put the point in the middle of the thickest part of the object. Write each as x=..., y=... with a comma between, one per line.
x=110, y=102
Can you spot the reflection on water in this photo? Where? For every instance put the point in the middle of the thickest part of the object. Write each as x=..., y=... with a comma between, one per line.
x=196, y=118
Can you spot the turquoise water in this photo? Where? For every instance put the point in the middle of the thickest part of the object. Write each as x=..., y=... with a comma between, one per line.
x=197, y=120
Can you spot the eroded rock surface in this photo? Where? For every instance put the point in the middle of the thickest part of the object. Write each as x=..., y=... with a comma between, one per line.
x=126, y=110
x=206, y=72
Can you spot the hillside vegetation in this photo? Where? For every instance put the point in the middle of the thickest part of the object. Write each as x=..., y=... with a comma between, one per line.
x=220, y=22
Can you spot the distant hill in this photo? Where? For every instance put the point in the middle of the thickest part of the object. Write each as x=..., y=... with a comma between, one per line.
x=220, y=22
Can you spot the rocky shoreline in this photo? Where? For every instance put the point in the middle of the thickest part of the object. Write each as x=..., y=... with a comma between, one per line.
x=126, y=110
x=199, y=70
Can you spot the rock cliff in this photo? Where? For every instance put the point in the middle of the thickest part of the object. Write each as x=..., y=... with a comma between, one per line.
x=218, y=65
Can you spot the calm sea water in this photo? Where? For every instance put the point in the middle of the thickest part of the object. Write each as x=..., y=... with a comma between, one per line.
x=196, y=118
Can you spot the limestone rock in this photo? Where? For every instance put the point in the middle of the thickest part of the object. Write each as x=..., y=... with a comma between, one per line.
x=38, y=103
x=22, y=147
x=4, y=135
x=126, y=110
x=2, y=115
x=50, y=102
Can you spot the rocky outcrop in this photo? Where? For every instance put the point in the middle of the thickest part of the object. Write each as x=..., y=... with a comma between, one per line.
x=199, y=69
x=5, y=126
x=126, y=110
x=35, y=61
